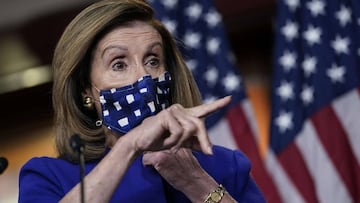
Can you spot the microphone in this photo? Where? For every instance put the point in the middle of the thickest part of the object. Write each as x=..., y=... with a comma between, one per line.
x=3, y=164
x=77, y=145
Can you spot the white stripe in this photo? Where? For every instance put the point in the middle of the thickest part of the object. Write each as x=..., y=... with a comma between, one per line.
x=286, y=188
x=249, y=115
x=328, y=185
x=220, y=134
x=347, y=109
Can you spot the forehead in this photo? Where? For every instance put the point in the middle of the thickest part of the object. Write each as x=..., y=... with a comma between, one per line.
x=136, y=31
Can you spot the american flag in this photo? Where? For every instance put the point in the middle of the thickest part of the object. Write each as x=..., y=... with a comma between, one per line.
x=314, y=151
x=198, y=25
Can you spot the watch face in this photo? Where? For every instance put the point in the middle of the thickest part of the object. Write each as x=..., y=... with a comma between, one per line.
x=215, y=197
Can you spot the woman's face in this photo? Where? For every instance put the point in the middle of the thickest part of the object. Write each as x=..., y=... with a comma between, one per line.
x=124, y=55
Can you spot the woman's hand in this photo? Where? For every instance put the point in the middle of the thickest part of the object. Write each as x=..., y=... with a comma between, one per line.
x=182, y=171
x=176, y=127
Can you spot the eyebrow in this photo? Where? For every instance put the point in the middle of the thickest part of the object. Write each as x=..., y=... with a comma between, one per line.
x=113, y=47
x=150, y=47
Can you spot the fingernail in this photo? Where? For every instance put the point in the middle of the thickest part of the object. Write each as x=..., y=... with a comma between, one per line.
x=209, y=150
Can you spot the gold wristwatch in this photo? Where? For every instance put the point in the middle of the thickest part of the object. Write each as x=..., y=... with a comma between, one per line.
x=216, y=195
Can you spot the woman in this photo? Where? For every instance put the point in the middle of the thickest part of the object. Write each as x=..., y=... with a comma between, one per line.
x=121, y=84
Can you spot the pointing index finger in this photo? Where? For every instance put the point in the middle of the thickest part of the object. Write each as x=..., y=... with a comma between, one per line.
x=206, y=109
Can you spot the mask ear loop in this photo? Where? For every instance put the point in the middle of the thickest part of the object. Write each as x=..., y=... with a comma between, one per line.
x=99, y=122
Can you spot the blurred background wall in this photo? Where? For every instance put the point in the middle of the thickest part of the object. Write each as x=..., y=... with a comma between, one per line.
x=29, y=31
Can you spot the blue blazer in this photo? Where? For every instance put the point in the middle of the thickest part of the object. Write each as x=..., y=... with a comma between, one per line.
x=47, y=179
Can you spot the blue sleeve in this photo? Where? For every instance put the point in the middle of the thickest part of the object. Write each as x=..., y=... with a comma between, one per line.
x=37, y=183
x=245, y=189
x=231, y=168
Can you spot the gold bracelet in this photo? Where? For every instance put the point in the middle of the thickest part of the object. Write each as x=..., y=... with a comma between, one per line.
x=216, y=195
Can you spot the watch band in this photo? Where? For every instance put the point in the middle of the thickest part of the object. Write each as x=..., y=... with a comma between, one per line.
x=216, y=195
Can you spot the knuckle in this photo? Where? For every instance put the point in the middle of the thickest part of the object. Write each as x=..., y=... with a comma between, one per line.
x=165, y=115
x=178, y=131
x=199, y=123
x=176, y=106
x=189, y=128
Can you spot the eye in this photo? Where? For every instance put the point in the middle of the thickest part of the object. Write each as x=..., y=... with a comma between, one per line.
x=118, y=65
x=153, y=62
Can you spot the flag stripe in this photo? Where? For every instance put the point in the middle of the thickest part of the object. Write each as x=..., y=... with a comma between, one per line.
x=347, y=108
x=226, y=139
x=250, y=116
x=246, y=141
x=294, y=165
x=325, y=177
x=286, y=188
x=336, y=143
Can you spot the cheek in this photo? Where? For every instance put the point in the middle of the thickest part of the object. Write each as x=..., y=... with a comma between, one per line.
x=97, y=71
x=155, y=73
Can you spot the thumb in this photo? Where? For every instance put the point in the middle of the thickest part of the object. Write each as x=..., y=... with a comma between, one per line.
x=147, y=159
x=154, y=158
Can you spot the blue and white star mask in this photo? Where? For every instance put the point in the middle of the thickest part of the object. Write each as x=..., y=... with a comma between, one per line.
x=126, y=107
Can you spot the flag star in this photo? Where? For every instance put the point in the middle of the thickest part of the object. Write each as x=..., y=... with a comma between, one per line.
x=307, y=95
x=312, y=35
x=341, y=45
x=211, y=76
x=336, y=73
x=284, y=121
x=309, y=65
x=231, y=82
x=212, y=18
x=212, y=45
x=343, y=15
x=290, y=30
x=285, y=90
x=170, y=4
x=191, y=64
x=192, y=39
x=288, y=60
x=170, y=25
x=316, y=7
x=194, y=11
x=292, y=4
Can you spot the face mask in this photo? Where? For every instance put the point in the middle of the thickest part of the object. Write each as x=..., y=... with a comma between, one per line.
x=126, y=107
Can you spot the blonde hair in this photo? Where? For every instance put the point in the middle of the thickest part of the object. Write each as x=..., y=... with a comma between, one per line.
x=71, y=64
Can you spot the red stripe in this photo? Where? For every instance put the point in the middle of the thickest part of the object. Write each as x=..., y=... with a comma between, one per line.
x=246, y=142
x=295, y=166
x=336, y=144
